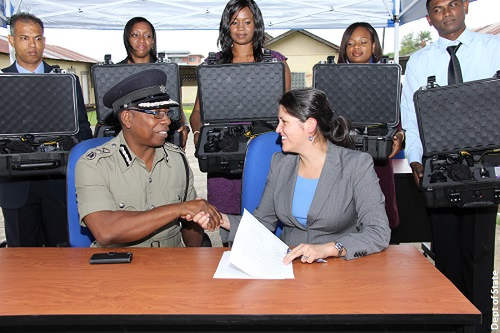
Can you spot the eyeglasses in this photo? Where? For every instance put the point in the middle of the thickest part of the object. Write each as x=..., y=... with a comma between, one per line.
x=157, y=114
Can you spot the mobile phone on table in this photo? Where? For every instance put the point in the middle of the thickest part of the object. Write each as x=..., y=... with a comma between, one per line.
x=111, y=258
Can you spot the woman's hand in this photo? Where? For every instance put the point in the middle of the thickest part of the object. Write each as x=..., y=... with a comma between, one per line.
x=196, y=137
x=184, y=130
x=397, y=143
x=311, y=252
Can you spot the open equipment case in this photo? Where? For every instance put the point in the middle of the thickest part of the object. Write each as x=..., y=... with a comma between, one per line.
x=105, y=76
x=39, y=123
x=458, y=127
x=369, y=96
x=237, y=102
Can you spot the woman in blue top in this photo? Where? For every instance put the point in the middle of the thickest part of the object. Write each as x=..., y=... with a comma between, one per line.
x=241, y=39
x=341, y=211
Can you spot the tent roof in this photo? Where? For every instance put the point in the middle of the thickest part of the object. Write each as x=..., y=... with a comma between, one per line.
x=205, y=14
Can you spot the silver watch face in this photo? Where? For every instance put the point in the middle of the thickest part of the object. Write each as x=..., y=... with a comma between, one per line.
x=339, y=248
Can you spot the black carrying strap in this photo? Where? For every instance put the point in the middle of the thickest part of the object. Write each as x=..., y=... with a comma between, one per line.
x=186, y=167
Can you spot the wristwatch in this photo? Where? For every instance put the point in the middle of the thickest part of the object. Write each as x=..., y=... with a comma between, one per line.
x=340, y=248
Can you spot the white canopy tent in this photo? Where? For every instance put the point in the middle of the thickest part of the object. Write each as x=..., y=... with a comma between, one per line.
x=205, y=14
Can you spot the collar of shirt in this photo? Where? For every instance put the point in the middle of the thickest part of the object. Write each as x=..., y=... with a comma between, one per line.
x=160, y=154
x=465, y=38
x=38, y=70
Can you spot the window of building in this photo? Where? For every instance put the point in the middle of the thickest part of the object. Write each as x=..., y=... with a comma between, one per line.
x=298, y=80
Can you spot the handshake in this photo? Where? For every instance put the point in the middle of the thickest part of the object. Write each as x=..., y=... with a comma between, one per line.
x=204, y=214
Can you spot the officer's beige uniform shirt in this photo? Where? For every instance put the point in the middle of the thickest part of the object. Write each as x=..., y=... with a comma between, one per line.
x=107, y=179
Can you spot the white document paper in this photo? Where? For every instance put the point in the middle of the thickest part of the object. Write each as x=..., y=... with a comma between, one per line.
x=256, y=253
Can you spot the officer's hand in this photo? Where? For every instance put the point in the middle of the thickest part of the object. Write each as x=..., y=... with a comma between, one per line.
x=193, y=207
x=418, y=172
x=203, y=219
x=397, y=143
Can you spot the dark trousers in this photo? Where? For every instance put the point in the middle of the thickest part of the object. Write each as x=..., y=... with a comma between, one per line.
x=463, y=241
x=42, y=220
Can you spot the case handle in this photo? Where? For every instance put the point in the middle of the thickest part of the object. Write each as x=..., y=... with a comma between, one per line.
x=35, y=165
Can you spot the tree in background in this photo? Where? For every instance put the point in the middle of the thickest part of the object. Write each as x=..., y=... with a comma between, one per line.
x=411, y=43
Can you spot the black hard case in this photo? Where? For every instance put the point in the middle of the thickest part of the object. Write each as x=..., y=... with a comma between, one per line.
x=234, y=98
x=106, y=76
x=455, y=118
x=369, y=96
x=40, y=108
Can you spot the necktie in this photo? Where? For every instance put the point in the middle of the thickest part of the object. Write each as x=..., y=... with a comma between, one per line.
x=454, y=70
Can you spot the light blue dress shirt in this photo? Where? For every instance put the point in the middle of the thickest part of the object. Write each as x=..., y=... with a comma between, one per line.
x=479, y=57
x=302, y=198
x=38, y=70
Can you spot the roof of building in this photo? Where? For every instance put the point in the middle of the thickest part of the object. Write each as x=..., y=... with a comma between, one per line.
x=304, y=32
x=52, y=52
x=493, y=29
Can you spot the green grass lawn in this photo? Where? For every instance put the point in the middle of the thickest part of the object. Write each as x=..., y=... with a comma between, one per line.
x=92, y=115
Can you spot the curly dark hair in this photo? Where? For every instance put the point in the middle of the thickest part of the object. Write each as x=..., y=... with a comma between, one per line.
x=225, y=41
x=377, y=53
x=126, y=36
x=313, y=103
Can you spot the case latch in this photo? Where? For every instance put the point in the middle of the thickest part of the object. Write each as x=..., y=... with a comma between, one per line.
x=431, y=82
x=212, y=59
x=107, y=59
x=162, y=57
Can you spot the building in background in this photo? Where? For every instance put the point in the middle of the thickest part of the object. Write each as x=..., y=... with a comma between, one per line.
x=303, y=50
x=184, y=57
x=70, y=61
x=493, y=29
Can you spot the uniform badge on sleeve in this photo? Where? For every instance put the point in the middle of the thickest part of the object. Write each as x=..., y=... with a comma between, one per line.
x=91, y=155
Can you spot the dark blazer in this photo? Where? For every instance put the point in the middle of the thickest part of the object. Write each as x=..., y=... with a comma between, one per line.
x=348, y=205
x=13, y=194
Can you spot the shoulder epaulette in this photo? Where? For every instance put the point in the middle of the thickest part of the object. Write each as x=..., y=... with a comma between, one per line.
x=101, y=151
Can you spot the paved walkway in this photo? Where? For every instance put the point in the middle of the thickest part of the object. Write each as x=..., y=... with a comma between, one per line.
x=200, y=181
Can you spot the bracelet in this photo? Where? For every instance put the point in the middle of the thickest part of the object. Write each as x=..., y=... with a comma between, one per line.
x=196, y=132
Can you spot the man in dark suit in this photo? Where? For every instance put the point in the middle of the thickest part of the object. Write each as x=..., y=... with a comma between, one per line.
x=35, y=209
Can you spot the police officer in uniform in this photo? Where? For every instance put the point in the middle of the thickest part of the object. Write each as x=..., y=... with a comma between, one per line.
x=132, y=190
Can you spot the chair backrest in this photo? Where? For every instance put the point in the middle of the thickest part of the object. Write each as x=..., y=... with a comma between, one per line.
x=257, y=163
x=78, y=236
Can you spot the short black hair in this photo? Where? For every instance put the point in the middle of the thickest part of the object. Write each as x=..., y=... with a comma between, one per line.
x=126, y=36
x=428, y=3
x=23, y=17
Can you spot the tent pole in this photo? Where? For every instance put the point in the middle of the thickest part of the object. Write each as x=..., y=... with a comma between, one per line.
x=396, y=31
x=8, y=11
